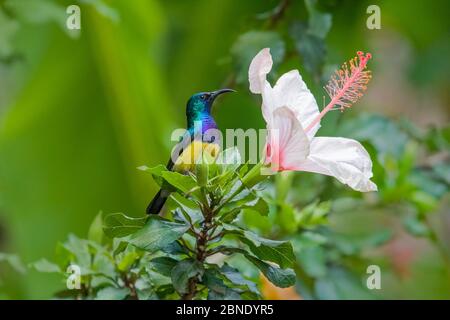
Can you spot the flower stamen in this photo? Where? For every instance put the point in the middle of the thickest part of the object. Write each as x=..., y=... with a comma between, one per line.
x=346, y=85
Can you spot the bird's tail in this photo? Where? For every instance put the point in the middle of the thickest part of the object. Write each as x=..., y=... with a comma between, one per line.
x=157, y=202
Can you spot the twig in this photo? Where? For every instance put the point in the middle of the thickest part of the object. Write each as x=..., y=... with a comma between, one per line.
x=278, y=13
x=201, y=248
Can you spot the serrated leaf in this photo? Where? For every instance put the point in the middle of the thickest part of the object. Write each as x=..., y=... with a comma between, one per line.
x=157, y=234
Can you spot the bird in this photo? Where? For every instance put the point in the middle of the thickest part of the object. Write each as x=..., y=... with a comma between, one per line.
x=198, y=111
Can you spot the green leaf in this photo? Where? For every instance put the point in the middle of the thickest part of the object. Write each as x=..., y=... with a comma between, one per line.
x=264, y=225
x=9, y=29
x=258, y=205
x=14, y=261
x=254, y=176
x=201, y=171
x=279, y=252
x=246, y=201
x=377, y=130
x=111, y=293
x=313, y=214
x=235, y=276
x=229, y=159
x=217, y=290
x=163, y=265
x=188, y=207
x=39, y=11
x=282, y=278
x=283, y=183
x=79, y=253
x=230, y=216
x=103, y=265
x=285, y=217
x=311, y=48
x=443, y=171
x=104, y=9
x=157, y=234
x=95, y=232
x=319, y=24
x=249, y=44
x=424, y=202
x=310, y=253
x=174, y=248
x=119, y=245
x=156, y=172
x=416, y=227
x=184, y=183
x=120, y=225
x=183, y=271
x=43, y=265
x=313, y=261
x=127, y=260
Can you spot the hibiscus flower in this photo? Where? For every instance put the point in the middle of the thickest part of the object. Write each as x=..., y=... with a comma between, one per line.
x=293, y=119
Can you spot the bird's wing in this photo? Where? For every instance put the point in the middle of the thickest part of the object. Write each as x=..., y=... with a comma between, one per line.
x=185, y=141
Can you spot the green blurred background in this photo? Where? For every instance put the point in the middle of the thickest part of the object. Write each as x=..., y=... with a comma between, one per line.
x=80, y=111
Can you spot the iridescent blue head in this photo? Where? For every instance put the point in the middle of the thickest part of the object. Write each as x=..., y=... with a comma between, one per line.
x=198, y=108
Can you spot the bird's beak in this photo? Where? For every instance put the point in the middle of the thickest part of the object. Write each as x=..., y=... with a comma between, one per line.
x=216, y=93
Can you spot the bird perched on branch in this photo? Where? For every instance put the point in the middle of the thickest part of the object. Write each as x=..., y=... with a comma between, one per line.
x=194, y=141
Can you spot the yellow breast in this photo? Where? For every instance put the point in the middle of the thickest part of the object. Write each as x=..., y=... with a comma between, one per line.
x=192, y=154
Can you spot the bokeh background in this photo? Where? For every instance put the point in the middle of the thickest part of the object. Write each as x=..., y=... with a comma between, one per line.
x=79, y=111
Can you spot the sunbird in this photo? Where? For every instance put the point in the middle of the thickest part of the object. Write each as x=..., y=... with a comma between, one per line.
x=191, y=145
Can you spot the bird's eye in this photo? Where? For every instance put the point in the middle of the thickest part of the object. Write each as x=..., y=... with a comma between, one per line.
x=203, y=96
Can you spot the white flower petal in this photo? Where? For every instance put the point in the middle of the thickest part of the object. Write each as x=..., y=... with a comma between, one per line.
x=259, y=68
x=344, y=159
x=289, y=144
x=291, y=91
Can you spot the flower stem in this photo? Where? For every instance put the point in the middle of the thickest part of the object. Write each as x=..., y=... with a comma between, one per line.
x=201, y=245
